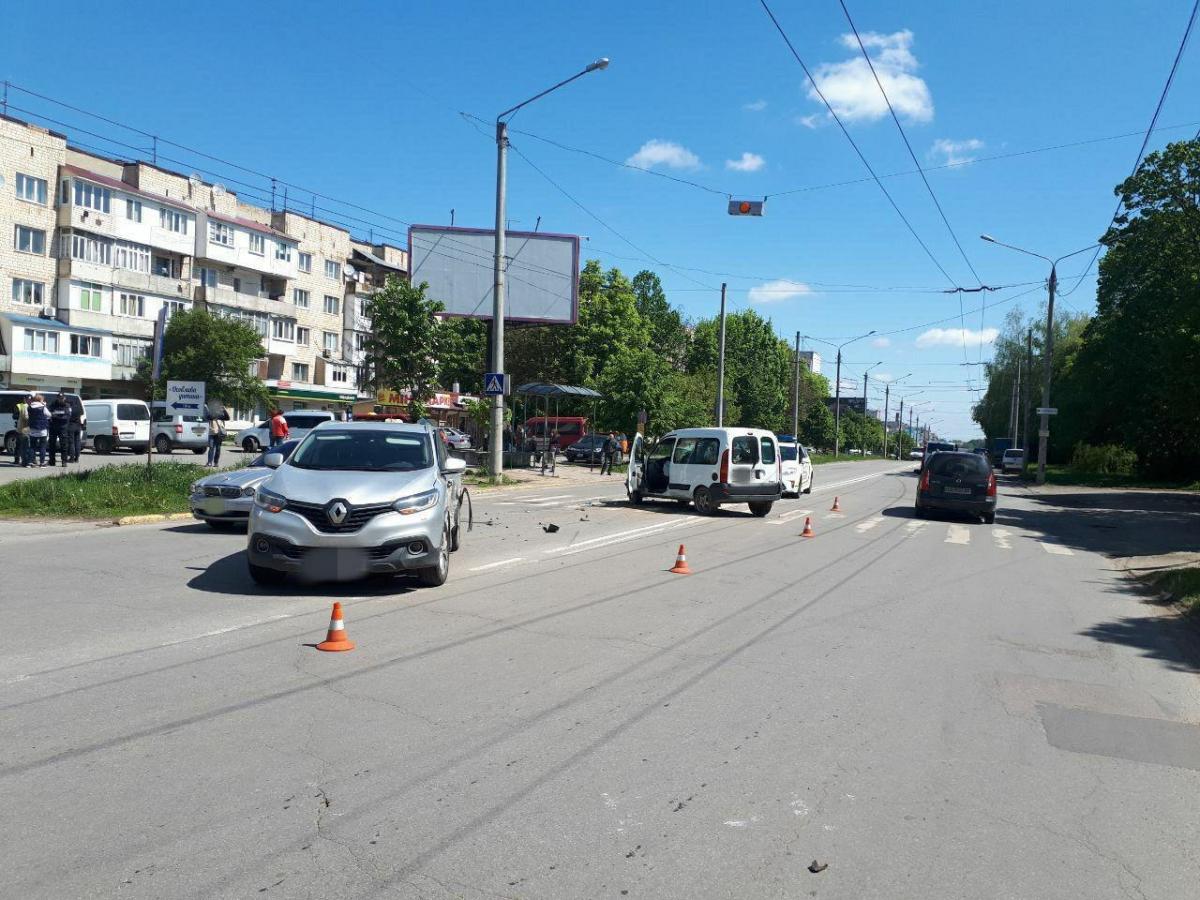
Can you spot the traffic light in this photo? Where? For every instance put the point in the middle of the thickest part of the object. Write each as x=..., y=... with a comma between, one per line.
x=746, y=207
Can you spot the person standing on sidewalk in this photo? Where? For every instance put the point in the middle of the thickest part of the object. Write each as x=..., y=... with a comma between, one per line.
x=21, y=424
x=279, y=428
x=39, y=431
x=75, y=430
x=608, y=451
x=60, y=417
x=216, y=437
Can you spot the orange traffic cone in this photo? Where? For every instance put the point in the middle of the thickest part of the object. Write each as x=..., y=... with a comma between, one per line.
x=808, y=532
x=837, y=507
x=681, y=566
x=336, y=638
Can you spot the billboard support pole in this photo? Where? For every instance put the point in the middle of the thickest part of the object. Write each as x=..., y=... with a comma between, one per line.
x=496, y=443
x=721, y=365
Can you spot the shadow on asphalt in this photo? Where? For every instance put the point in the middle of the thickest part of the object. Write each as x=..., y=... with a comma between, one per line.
x=908, y=512
x=229, y=575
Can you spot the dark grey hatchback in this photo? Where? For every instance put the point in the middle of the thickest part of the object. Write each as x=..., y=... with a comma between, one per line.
x=958, y=482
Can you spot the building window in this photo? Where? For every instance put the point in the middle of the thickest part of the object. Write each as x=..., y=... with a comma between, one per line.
x=206, y=276
x=337, y=374
x=260, y=322
x=360, y=341
x=41, y=341
x=283, y=329
x=91, y=297
x=299, y=371
x=220, y=233
x=300, y=298
x=302, y=335
x=129, y=353
x=133, y=305
x=30, y=240
x=332, y=269
x=134, y=257
x=86, y=248
x=305, y=262
x=174, y=306
x=166, y=267
x=26, y=291
x=31, y=189
x=85, y=345
x=133, y=209
x=332, y=305
x=331, y=342
x=172, y=220
x=258, y=244
x=283, y=251
x=92, y=196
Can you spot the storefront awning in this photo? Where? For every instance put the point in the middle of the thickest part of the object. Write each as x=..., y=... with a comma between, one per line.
x=544, y=389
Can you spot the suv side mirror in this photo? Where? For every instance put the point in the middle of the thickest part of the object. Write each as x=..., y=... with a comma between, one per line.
x=273, y=460
x=454, y=466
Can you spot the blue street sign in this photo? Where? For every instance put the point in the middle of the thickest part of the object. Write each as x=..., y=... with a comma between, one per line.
x=493, y=384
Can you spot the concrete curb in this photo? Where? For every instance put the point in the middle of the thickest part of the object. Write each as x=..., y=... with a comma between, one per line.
x=152, y=517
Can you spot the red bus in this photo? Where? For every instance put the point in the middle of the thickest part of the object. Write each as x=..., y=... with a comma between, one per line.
x=569, y=428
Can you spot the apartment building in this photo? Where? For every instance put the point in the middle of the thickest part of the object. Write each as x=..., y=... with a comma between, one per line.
x=92, y=248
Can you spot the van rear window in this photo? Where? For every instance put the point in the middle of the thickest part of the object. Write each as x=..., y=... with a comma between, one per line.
x=133, y=412
x=744, y=450
x=768, y=450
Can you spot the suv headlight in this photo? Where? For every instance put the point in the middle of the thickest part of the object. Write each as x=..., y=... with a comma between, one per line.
x=416, y=503
x=270, y=501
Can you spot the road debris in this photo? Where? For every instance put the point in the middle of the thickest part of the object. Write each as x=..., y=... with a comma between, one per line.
x=816, y=867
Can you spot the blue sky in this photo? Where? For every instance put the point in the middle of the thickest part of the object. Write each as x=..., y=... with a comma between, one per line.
x=361, y=102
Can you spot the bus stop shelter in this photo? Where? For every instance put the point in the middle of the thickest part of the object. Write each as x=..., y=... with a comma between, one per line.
x=540, y=398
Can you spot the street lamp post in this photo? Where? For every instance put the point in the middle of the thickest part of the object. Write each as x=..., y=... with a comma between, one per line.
x=887, y=391
x=837, y=389
x=496, y=443
x=1047, y=362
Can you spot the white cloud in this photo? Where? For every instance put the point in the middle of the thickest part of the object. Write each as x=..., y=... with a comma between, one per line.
x=956, y=337
x=850, y=87
x=756, y=106
x=750, y=162
x=813, y=121
x=777, y=291
x=954, y=153
x=881, y=376
x=664, y=153
x=881, y=342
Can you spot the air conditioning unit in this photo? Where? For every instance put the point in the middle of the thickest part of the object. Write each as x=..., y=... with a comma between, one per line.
x=326, y=354
x=49, y=312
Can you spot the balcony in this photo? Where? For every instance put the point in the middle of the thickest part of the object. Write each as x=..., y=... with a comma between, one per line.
x=116, y=224
x=221, y=295
x=141, y=282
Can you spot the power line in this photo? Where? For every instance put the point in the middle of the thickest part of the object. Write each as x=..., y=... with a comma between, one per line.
x=846, y=132
x=1162, y=98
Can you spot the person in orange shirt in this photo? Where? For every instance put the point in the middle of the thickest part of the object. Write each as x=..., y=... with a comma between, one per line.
x=279, y=428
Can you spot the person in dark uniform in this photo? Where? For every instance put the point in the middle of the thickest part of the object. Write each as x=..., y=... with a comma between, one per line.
x=608, y=451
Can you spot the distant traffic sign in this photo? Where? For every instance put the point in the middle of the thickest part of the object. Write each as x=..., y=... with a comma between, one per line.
x=186, y=397
x=1047, y=410
x=493, y=384
x=746, y=207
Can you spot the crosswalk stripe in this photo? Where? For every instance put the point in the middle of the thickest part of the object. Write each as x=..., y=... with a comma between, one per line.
x=868, y=524
x=1001, y=537
x=1056, y=549
x=914, y=526
x=957, y=534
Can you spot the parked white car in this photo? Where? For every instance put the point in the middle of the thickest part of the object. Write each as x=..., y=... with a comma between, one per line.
x=117, y=423
x=1013, y=460
x=300, y=423
x=796, y=469
x=170, y=429
x=708, y=467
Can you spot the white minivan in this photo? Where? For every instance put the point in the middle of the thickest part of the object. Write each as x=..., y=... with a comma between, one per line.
x=117, y=423
x=708, y=467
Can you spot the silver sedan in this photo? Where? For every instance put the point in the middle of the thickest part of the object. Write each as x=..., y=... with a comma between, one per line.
x=224, y=499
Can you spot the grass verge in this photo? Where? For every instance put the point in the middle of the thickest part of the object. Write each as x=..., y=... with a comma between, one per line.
x=104, y=493
x=482, y=480
x=1183, y=585
x=1061, y=474
x=822, y=458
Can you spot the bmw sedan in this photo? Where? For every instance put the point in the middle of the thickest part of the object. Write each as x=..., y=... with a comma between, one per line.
x=224, y=499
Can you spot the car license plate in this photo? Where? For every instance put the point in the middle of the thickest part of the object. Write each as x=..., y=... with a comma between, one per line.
x=958, y=490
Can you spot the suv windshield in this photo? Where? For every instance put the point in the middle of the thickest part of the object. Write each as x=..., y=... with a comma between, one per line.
x=365, y=450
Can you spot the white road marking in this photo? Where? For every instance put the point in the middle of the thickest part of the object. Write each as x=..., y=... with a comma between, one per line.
x=957, y=534
x=620, y=537
x=1001, y=536
x=868, y=524
x=790, y=517
x=914, y=526
x=496, y=565
x=1056, y=548
x=532, y=500
x=849, y=481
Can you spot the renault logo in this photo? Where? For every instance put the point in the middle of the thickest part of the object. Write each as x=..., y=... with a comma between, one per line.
x=337, y=512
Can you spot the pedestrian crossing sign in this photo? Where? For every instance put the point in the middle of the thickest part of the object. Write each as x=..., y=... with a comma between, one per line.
x=493, y=384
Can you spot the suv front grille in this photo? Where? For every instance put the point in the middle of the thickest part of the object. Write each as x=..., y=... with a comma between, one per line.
x=356, y=518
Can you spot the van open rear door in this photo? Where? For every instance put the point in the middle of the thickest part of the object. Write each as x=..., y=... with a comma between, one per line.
x=633, y=475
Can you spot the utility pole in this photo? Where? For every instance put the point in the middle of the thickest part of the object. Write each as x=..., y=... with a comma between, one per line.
x=837, y=407
x=1044, y=426
x=886, y=391
x=796, y=392
x=900, y=430
x=496, y=435
x=721, y=365
x=1017, y=409
x=1025, y=416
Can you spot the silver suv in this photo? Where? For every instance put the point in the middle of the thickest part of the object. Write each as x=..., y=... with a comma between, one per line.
x=355, y=499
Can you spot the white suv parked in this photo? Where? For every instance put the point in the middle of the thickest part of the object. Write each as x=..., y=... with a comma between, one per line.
x=300, y=423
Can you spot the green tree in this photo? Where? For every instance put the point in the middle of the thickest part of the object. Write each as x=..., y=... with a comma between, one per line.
x=758, y=368
x=218, y=351
x=668, y=330
x=405, y=342
x=463, y=354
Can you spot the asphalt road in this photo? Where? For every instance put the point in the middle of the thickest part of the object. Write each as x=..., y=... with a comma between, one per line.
x=934, y=709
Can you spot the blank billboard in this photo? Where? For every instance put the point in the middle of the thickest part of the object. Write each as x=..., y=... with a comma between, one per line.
x=542, y=276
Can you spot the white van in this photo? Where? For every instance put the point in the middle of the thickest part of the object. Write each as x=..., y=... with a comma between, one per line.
x=708, y=467
x=117, y=423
